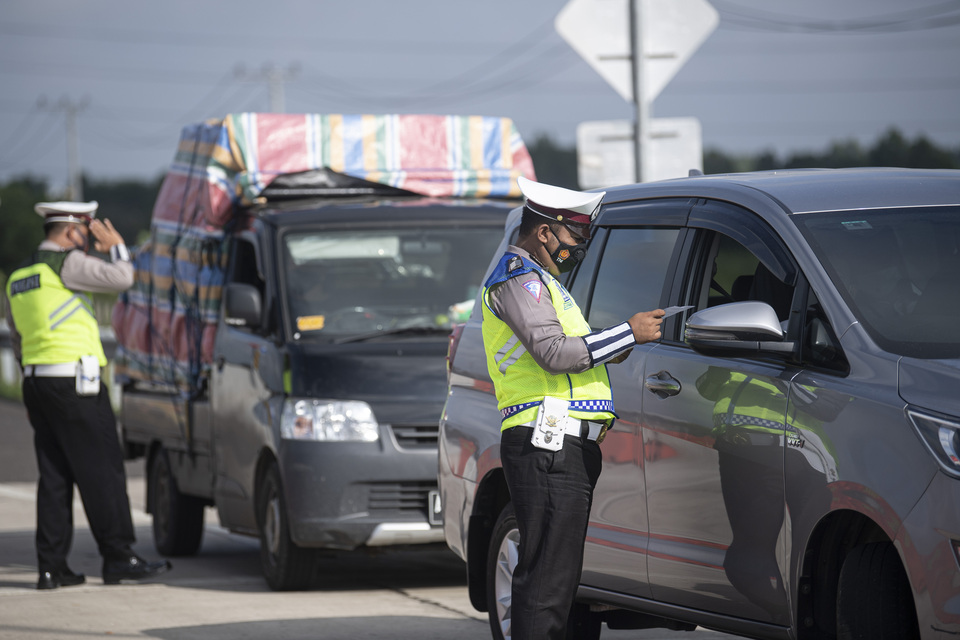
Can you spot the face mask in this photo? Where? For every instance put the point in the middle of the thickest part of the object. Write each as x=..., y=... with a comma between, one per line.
x=83, y=245
x=567, y=256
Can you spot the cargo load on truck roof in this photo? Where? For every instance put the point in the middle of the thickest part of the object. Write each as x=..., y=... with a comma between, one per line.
x=166, y=323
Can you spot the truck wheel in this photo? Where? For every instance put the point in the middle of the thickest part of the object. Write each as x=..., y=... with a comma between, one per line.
x=286, y=566
x=177, y=517
x=874, y=599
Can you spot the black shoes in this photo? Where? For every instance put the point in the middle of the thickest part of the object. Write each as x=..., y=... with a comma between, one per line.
x=132, y=568
x=54, y=579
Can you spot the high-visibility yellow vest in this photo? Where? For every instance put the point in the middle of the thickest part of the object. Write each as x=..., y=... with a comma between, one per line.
x=56, y=325
x=519, y=382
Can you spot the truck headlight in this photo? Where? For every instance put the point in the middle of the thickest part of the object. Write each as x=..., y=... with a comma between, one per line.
x=942, y=438
x=328, y=421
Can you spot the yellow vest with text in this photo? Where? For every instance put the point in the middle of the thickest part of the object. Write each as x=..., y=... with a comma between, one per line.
x=56, y=325
x=520, y=383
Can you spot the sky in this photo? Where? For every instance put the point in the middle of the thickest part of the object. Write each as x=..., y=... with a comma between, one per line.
x=775, y=75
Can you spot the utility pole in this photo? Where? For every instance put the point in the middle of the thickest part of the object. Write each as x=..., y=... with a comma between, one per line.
x=275, y=79
x=640, y=104
x=74, y=173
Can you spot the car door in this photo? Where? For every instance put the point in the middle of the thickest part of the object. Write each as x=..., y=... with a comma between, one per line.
x=240, y=393
x=713, y=432
x=626, y=272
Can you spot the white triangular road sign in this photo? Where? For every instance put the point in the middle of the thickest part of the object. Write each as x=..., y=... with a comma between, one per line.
x=671, y=30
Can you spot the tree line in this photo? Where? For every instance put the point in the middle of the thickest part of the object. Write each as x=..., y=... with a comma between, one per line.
x=129, y=203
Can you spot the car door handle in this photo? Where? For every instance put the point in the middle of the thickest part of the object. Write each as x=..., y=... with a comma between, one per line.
x=662, y=384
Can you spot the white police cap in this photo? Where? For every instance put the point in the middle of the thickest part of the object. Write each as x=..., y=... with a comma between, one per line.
x=562, y=205
x=80, y=212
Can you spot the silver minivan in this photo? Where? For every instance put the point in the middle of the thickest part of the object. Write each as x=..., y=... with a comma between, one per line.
x=786, y=462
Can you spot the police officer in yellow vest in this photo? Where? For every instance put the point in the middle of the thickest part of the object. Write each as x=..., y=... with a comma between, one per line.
x=553, y=392
x=57, y=341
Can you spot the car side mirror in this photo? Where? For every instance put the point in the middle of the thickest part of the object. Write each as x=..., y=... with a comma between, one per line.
x=242, y=306
x=737, y=329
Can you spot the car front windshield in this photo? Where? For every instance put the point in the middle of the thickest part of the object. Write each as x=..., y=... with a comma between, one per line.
x=899, y=272
x=355, y=284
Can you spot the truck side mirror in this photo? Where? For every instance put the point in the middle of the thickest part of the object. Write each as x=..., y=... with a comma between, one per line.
x=737, y=329
x=242, y=305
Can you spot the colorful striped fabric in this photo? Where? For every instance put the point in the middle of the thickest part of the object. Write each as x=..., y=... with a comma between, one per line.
x=165, y=324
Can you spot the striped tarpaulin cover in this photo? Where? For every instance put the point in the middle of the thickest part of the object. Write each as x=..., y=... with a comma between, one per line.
x=165, y=324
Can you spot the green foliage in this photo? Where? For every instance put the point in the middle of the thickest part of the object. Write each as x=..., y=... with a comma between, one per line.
x=891, y=150
x=127, y=203
x=557, y=164
x=554, y=164
x=22, y=227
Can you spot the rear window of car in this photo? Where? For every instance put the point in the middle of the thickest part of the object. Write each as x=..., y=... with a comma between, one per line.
x=899, y=272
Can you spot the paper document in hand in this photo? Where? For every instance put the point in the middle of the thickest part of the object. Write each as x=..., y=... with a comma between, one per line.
x=669, y=311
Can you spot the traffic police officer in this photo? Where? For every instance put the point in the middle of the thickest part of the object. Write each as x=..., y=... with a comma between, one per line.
x=56, y=338
x=553, y=392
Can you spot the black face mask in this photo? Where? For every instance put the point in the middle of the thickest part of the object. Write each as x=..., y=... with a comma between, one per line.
x=567, y=256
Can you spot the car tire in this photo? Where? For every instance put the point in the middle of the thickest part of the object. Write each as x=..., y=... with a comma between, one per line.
x=177, y=517
x=874, y=600
x=285, y=566
x=502, y=558
x=501, y=561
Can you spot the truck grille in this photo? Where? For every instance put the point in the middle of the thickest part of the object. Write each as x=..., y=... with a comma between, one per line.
x=416, y=436
x=399, y=497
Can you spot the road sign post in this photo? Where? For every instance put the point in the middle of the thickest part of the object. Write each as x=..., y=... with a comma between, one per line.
x=637, y=46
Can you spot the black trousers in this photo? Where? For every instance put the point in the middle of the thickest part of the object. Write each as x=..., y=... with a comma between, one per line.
x=76, y=442
x=551, y=494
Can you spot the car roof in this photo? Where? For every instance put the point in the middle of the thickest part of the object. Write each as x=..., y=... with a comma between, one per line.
x=369, y=209
x=798, y=191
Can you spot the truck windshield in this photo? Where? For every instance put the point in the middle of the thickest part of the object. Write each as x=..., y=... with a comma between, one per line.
x=899, y=272
x=342, y=283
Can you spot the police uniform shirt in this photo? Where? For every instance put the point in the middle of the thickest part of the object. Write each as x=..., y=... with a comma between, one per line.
x=82, y=272
x=534, y=321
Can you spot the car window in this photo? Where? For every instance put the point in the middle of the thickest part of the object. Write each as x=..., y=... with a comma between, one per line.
x=899, y=272
x=243, y=268
x=734, y=274
x=821, y=348
x=631, y=274
x=348, y=282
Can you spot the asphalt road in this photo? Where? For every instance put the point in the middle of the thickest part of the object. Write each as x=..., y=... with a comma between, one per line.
x=220, y=593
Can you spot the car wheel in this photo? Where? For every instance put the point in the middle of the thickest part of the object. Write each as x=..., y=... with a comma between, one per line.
x=501, y=561
x=874, y=599
x=177, y=518
x=286, y=567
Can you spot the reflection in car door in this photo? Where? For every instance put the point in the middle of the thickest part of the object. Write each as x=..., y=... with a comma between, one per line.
x=713, y=443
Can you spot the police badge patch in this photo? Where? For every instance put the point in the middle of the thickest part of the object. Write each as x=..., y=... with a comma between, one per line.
x=534, y=287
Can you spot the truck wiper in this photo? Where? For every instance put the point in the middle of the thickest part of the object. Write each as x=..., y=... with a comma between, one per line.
x=362, y=337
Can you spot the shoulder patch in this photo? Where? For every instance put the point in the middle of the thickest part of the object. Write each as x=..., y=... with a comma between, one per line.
x=25, y=284
x=535, y=287
x=514, y=263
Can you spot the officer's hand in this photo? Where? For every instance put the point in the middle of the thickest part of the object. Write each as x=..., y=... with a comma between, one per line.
x=105, y=236
x=646, y=325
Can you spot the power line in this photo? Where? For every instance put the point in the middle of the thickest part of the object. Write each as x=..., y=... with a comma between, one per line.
x=244, y=42
x=275, y=78
x=937, y=16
